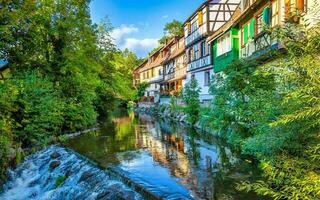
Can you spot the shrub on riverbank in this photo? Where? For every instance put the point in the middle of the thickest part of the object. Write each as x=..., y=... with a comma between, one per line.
x=271, y=111
x=190, y=95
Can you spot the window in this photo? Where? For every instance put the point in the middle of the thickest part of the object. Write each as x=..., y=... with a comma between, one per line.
x=152, y=72
x=259, y=23
x=191, y=54
x=196, y=51
x=293, y=7
x=203, y=49
x=206, y=78
x=189, y=28
x=275, y=13
x=194, y=26
x=160, y=72
x=245, y=34
x=224, y=44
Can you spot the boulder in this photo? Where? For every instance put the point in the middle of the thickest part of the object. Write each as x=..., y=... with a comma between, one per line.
x=55, y=155
x=54, y=164
x=85, y=176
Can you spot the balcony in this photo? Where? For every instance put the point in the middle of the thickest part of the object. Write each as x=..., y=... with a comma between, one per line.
x=156, y=79
x=260, y=45
x=196, y=34
x=177, y=74
x=197, y=64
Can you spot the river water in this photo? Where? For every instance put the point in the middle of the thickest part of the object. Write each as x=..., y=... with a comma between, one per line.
x=169, y=161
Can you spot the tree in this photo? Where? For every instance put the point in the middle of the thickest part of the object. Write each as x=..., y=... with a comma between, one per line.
x=190, y=96
x=141, y=88
x=172, y=29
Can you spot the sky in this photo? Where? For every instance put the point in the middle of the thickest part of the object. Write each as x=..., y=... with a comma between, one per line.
x=138, y=24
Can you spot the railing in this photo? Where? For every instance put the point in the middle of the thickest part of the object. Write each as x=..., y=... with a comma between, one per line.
x=169, y=76
x=196, y=34
x=156, y=79
x=202, y=62
x=176, y=74
x=258, y=46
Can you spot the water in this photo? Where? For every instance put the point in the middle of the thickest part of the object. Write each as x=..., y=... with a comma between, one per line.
x=36, y=179
x=168, y=160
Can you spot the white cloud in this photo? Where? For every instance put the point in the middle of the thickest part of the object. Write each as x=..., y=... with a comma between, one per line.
x=122, y=37
x=118, y=33
x=140, y=46
x=165, y=16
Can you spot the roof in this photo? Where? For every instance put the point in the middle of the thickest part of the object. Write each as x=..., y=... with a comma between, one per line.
x=178, y=51
x=225, y=27
x=145, y=65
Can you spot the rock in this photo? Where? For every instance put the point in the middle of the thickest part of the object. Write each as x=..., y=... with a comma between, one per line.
x=112, y=192
x=103, y=194
x=54, y=164
x=126, y=195
x=55, y=155
x=85, y=176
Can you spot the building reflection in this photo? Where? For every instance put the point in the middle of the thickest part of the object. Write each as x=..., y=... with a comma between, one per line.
x=188, y=158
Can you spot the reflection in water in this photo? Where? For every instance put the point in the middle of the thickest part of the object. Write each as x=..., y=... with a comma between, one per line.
x=168, y=160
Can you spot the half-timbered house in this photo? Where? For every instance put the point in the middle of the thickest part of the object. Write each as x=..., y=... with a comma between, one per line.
x=174, y=70
x=207, y=19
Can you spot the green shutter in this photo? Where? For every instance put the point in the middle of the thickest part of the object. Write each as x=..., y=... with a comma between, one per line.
x=266, y=15
x=245, y=34
x=252, y=28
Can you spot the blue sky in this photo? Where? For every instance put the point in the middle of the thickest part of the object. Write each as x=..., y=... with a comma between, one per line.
x=138, y=24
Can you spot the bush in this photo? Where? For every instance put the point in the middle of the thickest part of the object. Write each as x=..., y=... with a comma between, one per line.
x=191, y=98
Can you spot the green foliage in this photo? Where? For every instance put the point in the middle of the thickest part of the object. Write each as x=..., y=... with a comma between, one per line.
x=64, y=72
x=190, y=96
x=141, y=88
x=4, y=151
x=173, y=103
x=59, y=181
x=271, y=111
x=172, y=29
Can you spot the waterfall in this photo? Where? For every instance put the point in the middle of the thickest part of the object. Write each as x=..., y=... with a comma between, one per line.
x=57, y=173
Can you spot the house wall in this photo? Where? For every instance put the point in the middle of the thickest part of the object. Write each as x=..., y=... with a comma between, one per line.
x=222, y=61
x=200, y=77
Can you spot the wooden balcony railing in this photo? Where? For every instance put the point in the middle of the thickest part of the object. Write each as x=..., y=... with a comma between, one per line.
x=196, y=34
x=260, y=44
x=176, y=74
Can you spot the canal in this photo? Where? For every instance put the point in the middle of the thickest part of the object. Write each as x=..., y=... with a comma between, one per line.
x=168, y=160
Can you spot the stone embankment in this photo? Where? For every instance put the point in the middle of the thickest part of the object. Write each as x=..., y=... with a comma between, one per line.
x=166, y=113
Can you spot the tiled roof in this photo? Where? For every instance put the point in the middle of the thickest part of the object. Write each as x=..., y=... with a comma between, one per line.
x=158, y=58
x=178, y=51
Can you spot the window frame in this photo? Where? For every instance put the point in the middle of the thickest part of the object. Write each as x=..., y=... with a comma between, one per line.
x=275, y=15
x=224, y=44
x=207, y=78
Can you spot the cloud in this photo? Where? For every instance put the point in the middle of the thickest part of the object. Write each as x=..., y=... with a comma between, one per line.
x=140, y=46
x=118, y=33
x=165, y=16
x=122, y=37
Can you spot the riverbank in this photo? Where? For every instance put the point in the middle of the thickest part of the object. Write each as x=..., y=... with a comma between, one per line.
x=177, y=115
